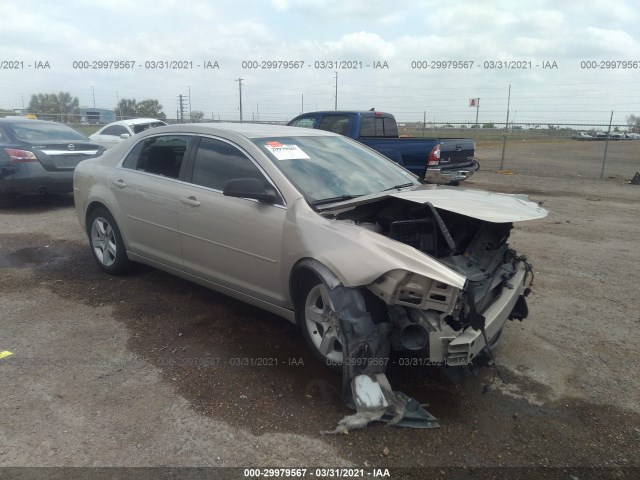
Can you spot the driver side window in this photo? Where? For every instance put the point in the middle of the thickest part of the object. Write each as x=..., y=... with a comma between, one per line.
x=217, y=162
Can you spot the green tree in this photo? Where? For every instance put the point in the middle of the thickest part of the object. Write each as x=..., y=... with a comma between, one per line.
x=488, y=125
x=150, y=108
x=127, y=108
x=61, y=107
x=130, y=108
x=197, y=115
x=634, y=123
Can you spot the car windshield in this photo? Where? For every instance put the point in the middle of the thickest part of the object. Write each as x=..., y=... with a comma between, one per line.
x=45, y=132
x=333, y=168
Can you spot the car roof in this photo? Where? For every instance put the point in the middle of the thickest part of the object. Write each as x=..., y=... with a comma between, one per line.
x=345, y=112
x=247, y=130
x=135, y=121
x=29, y=120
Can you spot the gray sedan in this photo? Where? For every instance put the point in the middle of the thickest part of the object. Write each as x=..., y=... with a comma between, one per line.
x=38, y=157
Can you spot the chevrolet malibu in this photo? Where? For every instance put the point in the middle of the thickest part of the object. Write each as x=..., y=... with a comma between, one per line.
x=318, y=229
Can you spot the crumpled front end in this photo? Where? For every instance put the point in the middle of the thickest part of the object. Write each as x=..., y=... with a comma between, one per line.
x=447, y=323
x=446, y=320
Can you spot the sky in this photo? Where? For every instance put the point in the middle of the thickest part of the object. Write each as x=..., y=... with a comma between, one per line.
x=576, y=58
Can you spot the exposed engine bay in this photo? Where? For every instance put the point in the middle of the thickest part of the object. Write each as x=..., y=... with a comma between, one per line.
x=449, y=325
x=474, y=248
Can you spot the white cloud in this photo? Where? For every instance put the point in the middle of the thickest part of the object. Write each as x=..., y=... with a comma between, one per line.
x=230, y=32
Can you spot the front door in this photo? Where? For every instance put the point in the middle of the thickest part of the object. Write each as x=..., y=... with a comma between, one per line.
x=234, y=242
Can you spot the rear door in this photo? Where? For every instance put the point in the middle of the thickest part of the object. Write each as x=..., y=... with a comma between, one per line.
x=145, y=189
x=234, y=242
x=110, y=136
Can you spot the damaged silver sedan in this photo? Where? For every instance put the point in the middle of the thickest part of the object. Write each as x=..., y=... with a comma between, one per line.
x=320, y=230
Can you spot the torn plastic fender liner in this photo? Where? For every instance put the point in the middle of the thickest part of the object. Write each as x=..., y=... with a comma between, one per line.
x=365, y=345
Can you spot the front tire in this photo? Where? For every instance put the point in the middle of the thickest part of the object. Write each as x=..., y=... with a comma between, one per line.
x=319, y=323
x=106, y=242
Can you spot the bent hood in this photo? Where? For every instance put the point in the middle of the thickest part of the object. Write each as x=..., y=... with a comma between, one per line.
x=480, y=204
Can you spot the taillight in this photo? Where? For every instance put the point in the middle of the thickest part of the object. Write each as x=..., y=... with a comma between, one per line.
x=20, y=156
x=434, y=156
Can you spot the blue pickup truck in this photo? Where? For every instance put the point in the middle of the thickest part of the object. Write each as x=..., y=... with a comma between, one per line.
x=437, y=160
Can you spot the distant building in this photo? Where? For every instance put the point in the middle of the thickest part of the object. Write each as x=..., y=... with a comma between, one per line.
x=97, y=115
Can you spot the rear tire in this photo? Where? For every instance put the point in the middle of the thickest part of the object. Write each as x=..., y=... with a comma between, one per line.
x=106, y=242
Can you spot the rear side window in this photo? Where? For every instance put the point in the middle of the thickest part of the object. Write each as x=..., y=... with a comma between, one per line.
x=306, y=122
x=218, y=162
x=162, y=155
x=335, y=123
x=378, y=127
x=44, y=132
x=115, y=130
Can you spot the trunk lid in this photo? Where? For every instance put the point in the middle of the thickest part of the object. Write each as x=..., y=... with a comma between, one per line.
x=61, y=156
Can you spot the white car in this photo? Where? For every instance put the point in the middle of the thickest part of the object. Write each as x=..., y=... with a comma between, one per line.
x=115, y=132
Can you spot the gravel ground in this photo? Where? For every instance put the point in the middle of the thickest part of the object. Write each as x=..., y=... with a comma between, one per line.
x=149, y=370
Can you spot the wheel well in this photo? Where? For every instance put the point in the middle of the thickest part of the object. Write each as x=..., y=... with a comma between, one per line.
x=298, y=277
x=306, y=268
x=91, y=208
x=309, y=267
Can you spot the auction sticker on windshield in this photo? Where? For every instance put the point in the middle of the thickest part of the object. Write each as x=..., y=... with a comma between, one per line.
x=285, y=152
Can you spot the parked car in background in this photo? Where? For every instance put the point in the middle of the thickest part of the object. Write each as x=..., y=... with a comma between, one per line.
x=437, y=160
x=38, y=157
x=632, y=136
x=616, y=136
x=582, y=136
x=351, y=247
x=115, y=132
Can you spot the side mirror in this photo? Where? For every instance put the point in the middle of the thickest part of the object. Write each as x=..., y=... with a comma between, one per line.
x=250, y=188
x=124, y=135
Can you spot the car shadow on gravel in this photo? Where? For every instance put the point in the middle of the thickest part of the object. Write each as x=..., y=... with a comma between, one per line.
x=241, y=365
x=30, y=204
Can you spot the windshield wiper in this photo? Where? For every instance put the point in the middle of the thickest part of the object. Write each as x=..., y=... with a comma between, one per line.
x=334, y=199
x=398, y=187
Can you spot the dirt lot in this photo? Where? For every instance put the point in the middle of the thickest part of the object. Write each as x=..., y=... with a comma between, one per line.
x=149, y=370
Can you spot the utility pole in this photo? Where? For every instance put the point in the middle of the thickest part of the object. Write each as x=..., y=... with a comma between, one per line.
x=189, y=94
x=424, y=123
x=181, y=107
x=336, y=104
x=93, y=92
x=475, y=132
x=606, y=147
x=239, y=80
x=301, y=108
x=119, y=106
x=506, y=127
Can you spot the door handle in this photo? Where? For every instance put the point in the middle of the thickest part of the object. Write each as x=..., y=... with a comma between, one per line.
x=119, y=183
x=190, y=201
